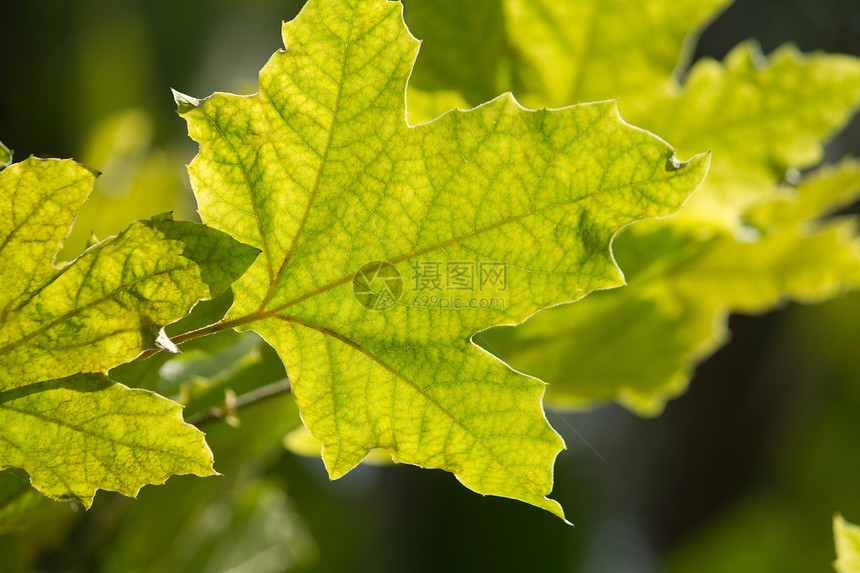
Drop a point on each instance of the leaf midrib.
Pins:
(263, 313)
(276, 277)
(76, 311)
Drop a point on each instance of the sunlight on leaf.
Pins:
(357, 214)
(847, 545)
(113, 438)
(74, 433)
(639, 345)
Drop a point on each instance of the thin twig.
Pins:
(205, 331)
(253, 397)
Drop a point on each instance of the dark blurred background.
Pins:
(742, 473)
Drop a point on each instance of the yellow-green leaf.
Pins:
(5, 155)
(385, 247)
(761, 116)
(75, 432)
(847, 537)
(85, 432)
(638, 345)
(111, 303)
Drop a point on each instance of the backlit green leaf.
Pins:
(763, 117)
(385, 246)
(847, 545)
(760, 116)
(638, 345)
(85, 432)
(74, 433)
(111, 303)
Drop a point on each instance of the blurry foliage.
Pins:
(741, 474)
(847, 545)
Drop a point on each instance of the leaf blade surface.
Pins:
(347, 201)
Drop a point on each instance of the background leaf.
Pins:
(681, 289)
(847, 545)
(764, 118)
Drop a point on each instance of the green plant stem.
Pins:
(260, 394)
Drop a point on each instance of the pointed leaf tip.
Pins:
(184, 103)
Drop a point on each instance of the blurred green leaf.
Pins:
(761, 117)
(847, 545)
(764, 118)
(570, 52)
(638, 345)
(17, 500)
(472, 34)
(552, 53)
(139, 178)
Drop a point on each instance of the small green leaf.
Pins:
(111, 303)
(5, 155)
(85, 432)
(349, 204)
(847, 537)
(77, 432)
